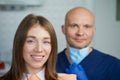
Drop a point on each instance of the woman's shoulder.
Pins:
(63, 76)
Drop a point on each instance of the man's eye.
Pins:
(74, 25)
(87, 26)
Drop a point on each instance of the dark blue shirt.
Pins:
(97, 65)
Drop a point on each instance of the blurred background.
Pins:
(107, 23)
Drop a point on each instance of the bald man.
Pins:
(79, 31)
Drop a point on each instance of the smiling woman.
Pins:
(35, 51)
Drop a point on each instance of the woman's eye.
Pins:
(46, 42)
(30, 41)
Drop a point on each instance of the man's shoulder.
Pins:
(105, 56)
(62, 52)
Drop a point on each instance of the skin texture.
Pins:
(79, 27)
(36, 49)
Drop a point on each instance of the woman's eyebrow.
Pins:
(31, 37)
(46, 38)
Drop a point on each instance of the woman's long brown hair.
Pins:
(18, 64)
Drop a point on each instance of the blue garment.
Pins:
(78, 70)
(97, 65)
(77, 55)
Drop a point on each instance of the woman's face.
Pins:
(36, 49)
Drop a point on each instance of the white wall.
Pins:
(54, 10)
(108, 29)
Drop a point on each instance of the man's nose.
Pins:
(80, 31)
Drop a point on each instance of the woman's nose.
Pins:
(38, 47)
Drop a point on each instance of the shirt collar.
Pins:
(40, 74)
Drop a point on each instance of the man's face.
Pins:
(79, 29)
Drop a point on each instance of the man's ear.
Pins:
(94, 30)
(63, 29)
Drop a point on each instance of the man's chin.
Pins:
(79, 47)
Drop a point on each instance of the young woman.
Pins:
(35, 51)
